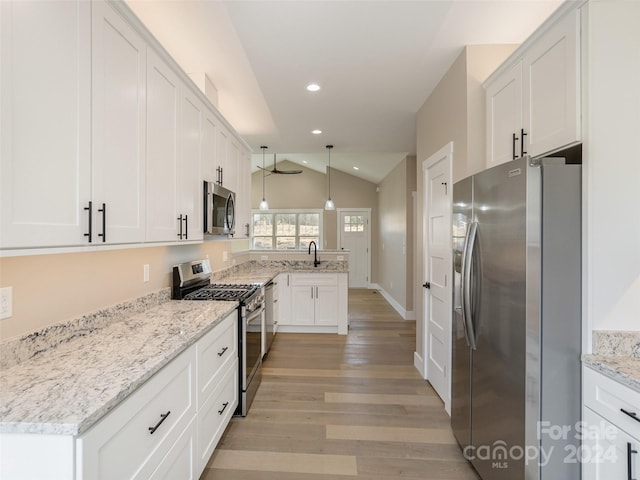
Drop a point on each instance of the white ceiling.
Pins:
(376, 62)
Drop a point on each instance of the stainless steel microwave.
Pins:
(219, 210)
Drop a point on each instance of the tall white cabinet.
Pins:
(45, 122)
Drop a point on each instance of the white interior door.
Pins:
(354, 234)
(437, 277)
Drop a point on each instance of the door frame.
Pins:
(367, 211)
(444, 152)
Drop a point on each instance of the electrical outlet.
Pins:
(145, 273)
(6, 302)
(340, 258)
(225, 256)
(264, 257)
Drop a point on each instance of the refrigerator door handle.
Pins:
(466, 283)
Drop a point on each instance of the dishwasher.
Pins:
(269, 325)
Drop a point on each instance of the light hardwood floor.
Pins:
(332, 407)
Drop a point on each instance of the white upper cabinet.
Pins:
(533, 104)
(45, 93)
(119, 111)
(189, 178)
(243, 194)
(552, 83)
(209, 136)
(112, 147)
(163, 96)
(504, 117)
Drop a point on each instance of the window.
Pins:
(353, 223)
(285, 229)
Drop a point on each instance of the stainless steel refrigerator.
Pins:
(517, 318)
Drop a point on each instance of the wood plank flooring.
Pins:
(333, 407)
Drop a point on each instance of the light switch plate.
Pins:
(6, 302)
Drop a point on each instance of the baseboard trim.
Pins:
(396, 306)
(418, 362)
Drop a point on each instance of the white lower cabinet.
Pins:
(132, 440)
(215, 413)
(315, 301)
(611, 431)
(166, 429)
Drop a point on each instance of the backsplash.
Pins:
(16, 350)
(616, 343)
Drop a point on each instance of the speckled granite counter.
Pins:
(64, 378)
(616, 355)
(263, 271)
(69, 387)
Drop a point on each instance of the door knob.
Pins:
(427, 285)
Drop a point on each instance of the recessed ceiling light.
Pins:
(356, 168)
(316, 131)
(313, 87)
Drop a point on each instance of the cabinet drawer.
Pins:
(215, 413)
(216, 350)
(180, 462)
(608, 398)
(314, 279)
(122, 445)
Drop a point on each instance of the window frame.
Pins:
(274, 236)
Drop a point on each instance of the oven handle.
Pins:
(255, 314)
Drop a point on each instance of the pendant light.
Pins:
(263, 204)
(329, 205)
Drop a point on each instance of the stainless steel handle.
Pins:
(467, 258)
(180, 224)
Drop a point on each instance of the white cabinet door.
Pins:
(45, 90)
(284, 299)
(209, 137)
(504, 117)
(118, 158)
(230, 172)
(243, 195)
(302, 305)
(190, 189)
(222, 147)
(552, 106)
(608, 452)
(326, 305)
(162, 150)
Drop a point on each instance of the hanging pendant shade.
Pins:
(329, 205)
(263, 204)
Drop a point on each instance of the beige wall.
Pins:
(48, 289)
(395, 255)
(455, 111)
(309, 190)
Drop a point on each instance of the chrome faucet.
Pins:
(316, 262)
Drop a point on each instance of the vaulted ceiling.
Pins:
(376, 62)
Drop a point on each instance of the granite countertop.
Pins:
(616, 355)
(622, 369)
(65, 378)
(66, 389)
(261, 272)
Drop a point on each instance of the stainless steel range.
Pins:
(192, 281)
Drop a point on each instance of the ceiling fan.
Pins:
(274, 170)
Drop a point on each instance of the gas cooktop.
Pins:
(224, 291)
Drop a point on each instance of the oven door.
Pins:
(252, 337)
